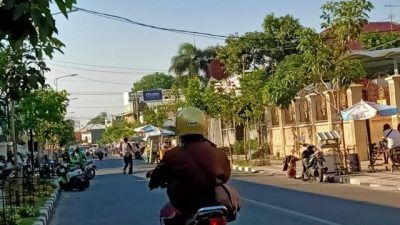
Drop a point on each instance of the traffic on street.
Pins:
(114, 198)
(199, 112)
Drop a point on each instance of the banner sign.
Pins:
(153, 95)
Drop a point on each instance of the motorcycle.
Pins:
(71, 178)
(48, 168)
(100, 155)
(89, 169)
(214, 215)
(315, 168)
(6, 169)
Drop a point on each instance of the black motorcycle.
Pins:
(100, 155)
(314, 167)
(214, 215)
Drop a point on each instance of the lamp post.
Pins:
(57, 78)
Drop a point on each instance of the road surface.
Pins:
(114, 198)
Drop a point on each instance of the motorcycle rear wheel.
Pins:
(90, 173)
(305, 176)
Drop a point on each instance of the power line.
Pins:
(96, 107)
(103, 81)
(95, 93)
(104, 66)
(124, 19)
(94, 70)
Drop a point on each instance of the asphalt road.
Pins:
(114, 198)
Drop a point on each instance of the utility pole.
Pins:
(391, 16)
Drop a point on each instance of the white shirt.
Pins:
(125, 148)
(393, 138)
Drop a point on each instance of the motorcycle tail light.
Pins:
(217, 221)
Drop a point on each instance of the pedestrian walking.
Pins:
(127, 151)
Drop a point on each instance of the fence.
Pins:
(22, 193)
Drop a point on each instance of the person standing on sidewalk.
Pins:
(391, 138)
(127, 152)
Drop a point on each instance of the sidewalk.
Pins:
(382, 180)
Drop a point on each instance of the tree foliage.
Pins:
(20, 72)
(377, 41)
(156, 115)
(154, 81)
(253, 105)
(42, 105)
(191, 60)
(288, 80)
(99, 119)
(32, 21)
(43, 111)
(263, 49)
(194, 94)
(117, 131)
(322, 56)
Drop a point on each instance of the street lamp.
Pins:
(69, 75)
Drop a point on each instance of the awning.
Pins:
(378, 61)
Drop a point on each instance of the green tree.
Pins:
(154, 81)
(99, 119)
(191, 60)
(322, 57)
(117, 131)
(56, 133)
(194, 94)
(42, 111)
(288, 80)
(377, 41)
(156, 115)
(20, 72)
(261, 50)
(32, 21)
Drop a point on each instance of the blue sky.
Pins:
(94, 40)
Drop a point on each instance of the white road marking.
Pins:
(288, 211)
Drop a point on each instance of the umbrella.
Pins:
(167, 133)
(137, 138)
(364, 110)
(146, 128)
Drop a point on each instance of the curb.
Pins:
(355, 181)
(244, 169)
(46, 211)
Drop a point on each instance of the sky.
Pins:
(109, 44)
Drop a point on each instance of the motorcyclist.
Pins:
(78, 157)
(190, 170)
(305, 156)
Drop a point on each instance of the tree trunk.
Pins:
(229, 143)
(245, 141)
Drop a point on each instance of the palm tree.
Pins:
(191, 60)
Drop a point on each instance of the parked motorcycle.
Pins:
(89, 169)
(6, 169)
(100, 154)
(314, 167)
(71, 178)
(214, 215)
(48, 168)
